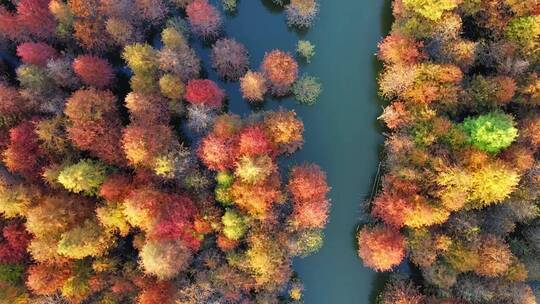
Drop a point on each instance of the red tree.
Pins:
(35, 18)
(161, 292)
(91, 34)
(147, 109)
(93, 71)
(11, 102)
(204, 18)
(399, 49)
(227, 125)
(95, 124)
(47, 278)
(8, 23)
(172, 215)
(204, 91)
(116, 188)
(36, 53)
(144, 143)
(89, 26)
(281, 70)
(176, 220)
(381, 247)
(23, 154)
(13, 247)
(308, 188)
(390, 208)
(226, 244)
(253, 141)
(217, 153)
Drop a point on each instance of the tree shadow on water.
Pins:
(386, 16)
(273, 7)
(377, 286)
(386, 24)
(387, 19)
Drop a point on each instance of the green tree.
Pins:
(307, 90)
(86, 176)
(88, 239)
(430, 9)
(525, 31)
(306, 49)
(141, 58)
(491, 132)
(234, 224)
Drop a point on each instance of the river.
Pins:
(342, 133)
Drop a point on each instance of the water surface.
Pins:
(342, 134)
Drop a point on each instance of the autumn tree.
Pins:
(162, 216)
(380, 247)
(88, 25)
(23, 154)
(95, 123)
(86, 240)
(15, 200)
(14, 244)
(494, 257)
(144, 144)
(266, 260)
(93, 71)
(399, 49)
(253, 170)
(217, 153)
(285, 130)
(171, 86)
(256, 200)
(48, 278)
(159, 292)
(431, 9)
(11, 102)
(234, 224)
(302, 13)
(281, 70)
(308, 188)
(164, 259)
(204, 18)
(401, 292)
(50, 218)
(204, 92)
(36, 53)
(34, 19)
(307, 90)
(253, 86)
(230, 58)
(86, 177)
(253, 140)
(142, 59)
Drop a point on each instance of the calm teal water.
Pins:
(342, 134)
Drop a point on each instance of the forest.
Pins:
(128, 174)
(456, 218)
(124, 176)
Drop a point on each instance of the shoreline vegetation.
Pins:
(456, 218)
(124, 179)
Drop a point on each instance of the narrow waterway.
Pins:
(342, 134)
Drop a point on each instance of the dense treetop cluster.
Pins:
(124, 180)
(460, 184)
